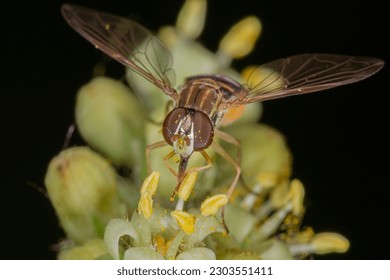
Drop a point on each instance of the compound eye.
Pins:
(171, 123)
(203, 131)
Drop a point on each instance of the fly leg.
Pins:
(183, 170)
(231, 140)
(149, 148)
(221, 151)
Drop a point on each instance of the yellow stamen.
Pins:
(298, 193)
(185, 220)
(191, 19)
(253, 75)
(304, 236)
(211, 205)
(145, 205)
(241, 38)
(168, 35)
(150, 183)
(329, 242)
(159, 244)
(187, 185)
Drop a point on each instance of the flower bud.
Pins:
(268, 179)
(109, 118)
(266, 158)
(91, 250)
(82, 188)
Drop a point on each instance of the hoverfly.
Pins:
(203, 100)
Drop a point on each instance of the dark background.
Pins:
(337, 138)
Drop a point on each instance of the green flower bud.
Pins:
(82, 188)
(264, 152)
(239, 221)
(110, 119)
(91, 250)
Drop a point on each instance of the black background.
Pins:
(337, 138)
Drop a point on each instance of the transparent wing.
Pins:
(127, 42)
(304, 73)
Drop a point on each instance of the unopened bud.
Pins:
(109, 118)
(82, 188)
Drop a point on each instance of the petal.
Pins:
(115, 229)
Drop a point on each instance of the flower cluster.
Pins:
(108, 216)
